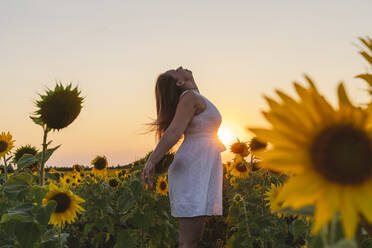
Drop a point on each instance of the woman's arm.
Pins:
(184, 113)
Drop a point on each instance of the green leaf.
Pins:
(26, 160)
(20, 217)
(366, 243)
(87, 229)
(27, 233)
(37, 120)
(126, 239)
(18, 184)
(19, 213)
(51, 176)
(308, 211)
(39, 192)
(43, 213)
(48, 153)
(299, 229)
(24, 176)
(345, 243)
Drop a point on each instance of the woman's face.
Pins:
(181, 74)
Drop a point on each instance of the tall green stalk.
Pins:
(246, 220)
(5, 168)
(42, 162)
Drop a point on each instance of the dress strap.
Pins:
(183, 92)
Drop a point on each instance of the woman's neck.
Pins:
(193, 89)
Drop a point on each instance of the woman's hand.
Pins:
(148, 173)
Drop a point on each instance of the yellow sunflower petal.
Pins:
(348, 213)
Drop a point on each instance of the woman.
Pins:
(195, 175)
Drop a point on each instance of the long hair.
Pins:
(167, 94)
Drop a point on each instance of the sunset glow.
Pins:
(226, 135)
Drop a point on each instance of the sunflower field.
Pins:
(306, 181)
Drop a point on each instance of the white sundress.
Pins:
(195, 177)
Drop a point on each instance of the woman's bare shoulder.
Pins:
(196, 100)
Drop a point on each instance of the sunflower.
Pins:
(240, 148)
(27, 149)
(240, 169)
(99, 165)
(238, 198)
(271, 195)
(122, 173)
(162, 185)
(67, 205)
(6, 143)
(233, 182)
(113, 182)
(66, 181)
(255, 144)
(328, 151)
(58, 108)
(77, 168)
(258, 187)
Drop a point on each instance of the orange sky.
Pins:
(237, 50)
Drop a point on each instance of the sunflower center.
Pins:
(342, 154)
(3, 146)
(241, 167)
(63, 202)
(163, 185)
(100, 164)
(113, 183)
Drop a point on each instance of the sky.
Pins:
(113, 51)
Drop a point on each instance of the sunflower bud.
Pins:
(58, 108)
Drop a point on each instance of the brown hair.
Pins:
(167, 94)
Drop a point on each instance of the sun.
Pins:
(225, 135)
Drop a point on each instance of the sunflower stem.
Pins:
(325, 236)
(333, 230)
(5, 169)
(59, 236)
(42, 174)
(246, 220)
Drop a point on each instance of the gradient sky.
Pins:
(114, 50)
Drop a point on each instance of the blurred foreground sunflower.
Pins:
(328, 151)
(162, 185)
(6, 143)
(99, 165)
(255, 144)
(67, 205)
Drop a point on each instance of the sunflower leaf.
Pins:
(48, 153)
(308, 211)
(37, 120)
(51, 176)
(43, 213)
(345, 243)
(27, 233)
(26, 160)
